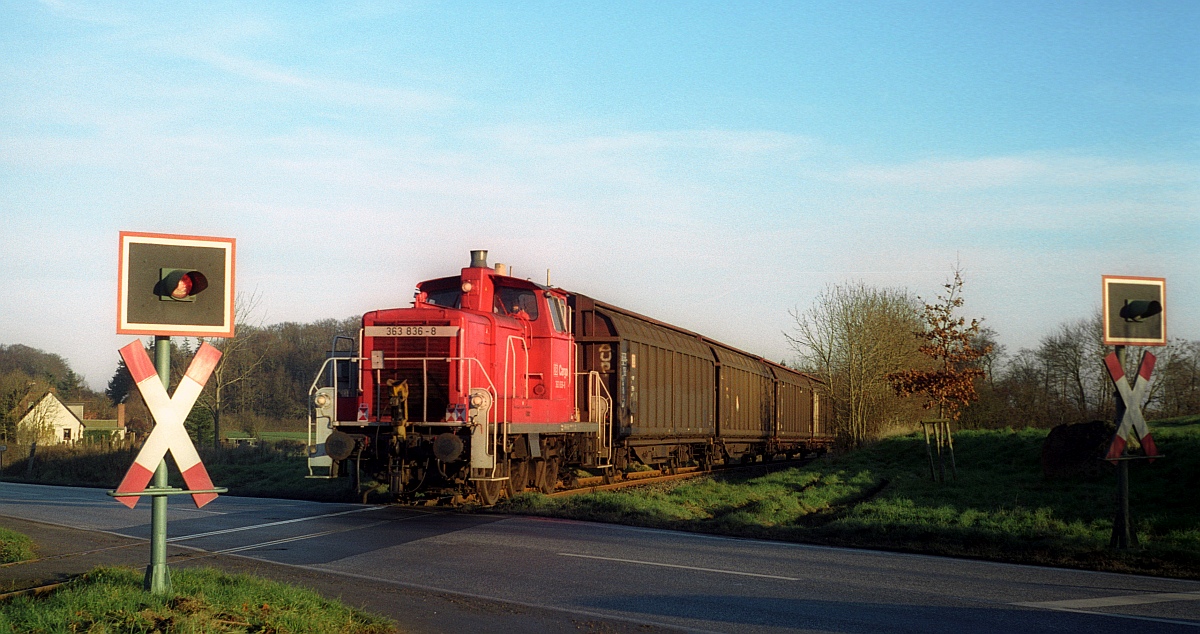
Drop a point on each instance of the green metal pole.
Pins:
(1123, 536)
(158, 577)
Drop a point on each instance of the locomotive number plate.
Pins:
(411, 331)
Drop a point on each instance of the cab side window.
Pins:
(558, 314)
(515, 302)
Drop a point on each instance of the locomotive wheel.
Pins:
(488, 491)
(545, 476)
(518, 477)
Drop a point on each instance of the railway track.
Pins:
(645, 478)
(595, 484)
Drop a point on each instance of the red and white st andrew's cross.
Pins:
(169, 414)
(1130, 407)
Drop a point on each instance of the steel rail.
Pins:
(636, 478)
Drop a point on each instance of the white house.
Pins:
(51, 421)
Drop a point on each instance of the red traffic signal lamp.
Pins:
(180, 285)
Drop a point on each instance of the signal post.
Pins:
(170, 285)
(1133, 314)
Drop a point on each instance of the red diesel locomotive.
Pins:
(490, 383)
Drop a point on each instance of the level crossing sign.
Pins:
(1129, 407)
(169, 413)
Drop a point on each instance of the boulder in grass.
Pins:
(1074, 450)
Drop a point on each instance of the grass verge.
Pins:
(205, 600)
(15, 547)
(999, 508)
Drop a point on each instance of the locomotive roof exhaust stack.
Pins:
(479, 259)
(502, 269)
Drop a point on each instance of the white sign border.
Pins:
(126, 327)
(1132, 279)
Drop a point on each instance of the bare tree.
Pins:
(240, 359)
(853, 337)
(37, 425)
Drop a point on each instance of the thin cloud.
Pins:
(957, 175)
(332, 90)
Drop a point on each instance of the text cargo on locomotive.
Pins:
(491, 383)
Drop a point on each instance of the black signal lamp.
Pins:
(180, 285)
(1136, 311)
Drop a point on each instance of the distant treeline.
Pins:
(261, 383)
(860, 339)
(1063, 380)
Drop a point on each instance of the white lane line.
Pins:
(269, 524)
(654, 563)
(1105, 602)
(285, 540)
(272, 543)
(1076, 606)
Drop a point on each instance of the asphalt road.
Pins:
(638, 578)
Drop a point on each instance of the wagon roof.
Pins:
(707, 340)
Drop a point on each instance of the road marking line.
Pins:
(238, 549)
(1131, 617)
(285, 540)
(269, 524)
(1075, 605)
(654, 563)
(1105, 602)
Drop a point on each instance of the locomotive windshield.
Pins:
(449, 298)
(515, 302)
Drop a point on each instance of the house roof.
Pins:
(61, 405)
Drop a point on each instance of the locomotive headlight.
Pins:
(466, 287)
(321, 400)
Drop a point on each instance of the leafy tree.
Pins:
(120, 384)
(199, 425)
(951, 344)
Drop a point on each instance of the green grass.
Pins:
(15, 547)
(299, 436)
(204, 600)
(1000, 507)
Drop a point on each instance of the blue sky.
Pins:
(711, 165)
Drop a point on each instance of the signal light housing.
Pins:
(1136, 311)
(180, 285)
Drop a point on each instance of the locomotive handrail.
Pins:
(603, 427)
(499, 419)
(510, 348)
(495, 424)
